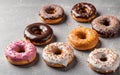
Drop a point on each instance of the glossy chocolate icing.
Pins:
(38, 32)
(83, 10)
(51, 11)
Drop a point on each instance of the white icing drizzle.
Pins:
(111, 64)
(63, 59)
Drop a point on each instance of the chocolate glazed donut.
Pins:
(83, 12)
(38, 33)
(51, 14)
(106, 26)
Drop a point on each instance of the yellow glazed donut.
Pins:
(83, 38)
(58, 54)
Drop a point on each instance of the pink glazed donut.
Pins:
(20, 52)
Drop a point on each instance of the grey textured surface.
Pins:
(15, 15)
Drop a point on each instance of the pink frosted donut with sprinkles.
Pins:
(20, 52)
(58, 54)
(103, 60)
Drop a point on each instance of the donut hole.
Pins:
(83, 10)
(81, 35)
(106, 22)
(20, 50)
(50, 10)
(101, 56)
(103, 59)
(37, 30)
(57, 51)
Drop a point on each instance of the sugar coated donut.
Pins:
(51, 14)
(20, 52)
(38, 33)
(58, 54)
(83, 38)
(83, 12)
(103, 60)
(106, 26)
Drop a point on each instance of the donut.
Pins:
(107, 26)
(83, 38)
(103, 60)
(83, 12)
(58, 54)
(20, 52)
(38, 34)
(51, 14)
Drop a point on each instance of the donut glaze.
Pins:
(83, 38)
(106, 26)
(103, 60)
(83, 12)
(51, 13)
(38, 33)
(58, 54)
(20, 52)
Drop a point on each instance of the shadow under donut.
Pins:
(70, 66)
(98, 14)
(61, 22)
(99, 44)
(89, 50)
(116, 36)
(64, 19)
(36, 60)
(117, 72)
(54, 39)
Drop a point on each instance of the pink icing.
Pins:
(29, 48)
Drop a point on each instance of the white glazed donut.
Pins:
(103, 60)
(58, 54)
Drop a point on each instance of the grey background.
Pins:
(15, 15)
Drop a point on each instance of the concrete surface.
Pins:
(15, 15)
